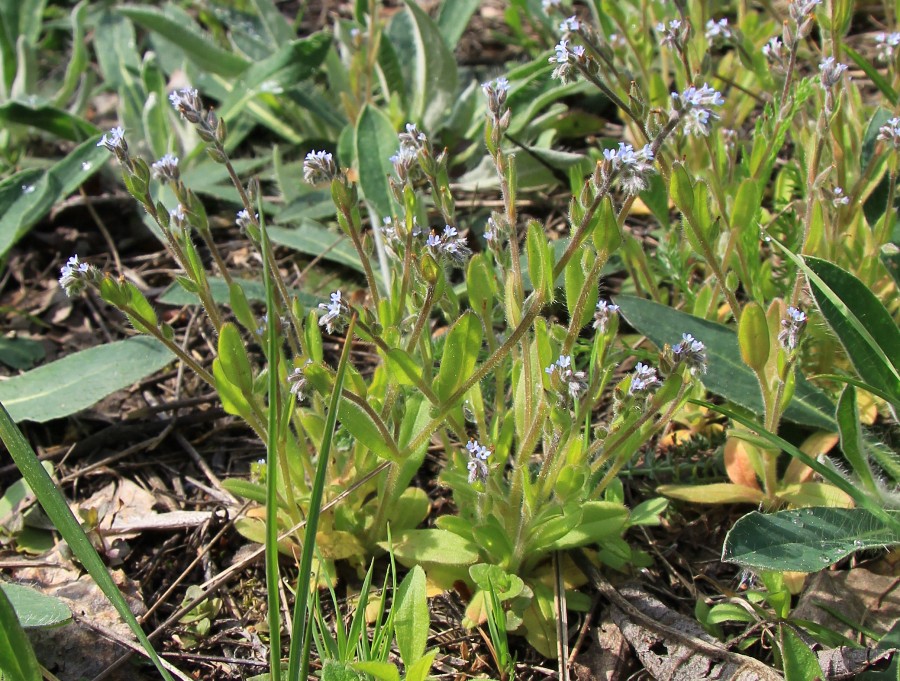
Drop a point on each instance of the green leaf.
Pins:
(361, 425)
(254, 290)
(199, 48)
(418, 670)
(411, 620)
(17, 660)
(292, 63)
(403, 368)
(460, 354)
(799, 661)
(50, 119)
(376, 142)
(865, 328)
(27, 196)
(435, 77)
(35, 609)
(73, 383)
(453, 17)
(727, 375)
(851, 438)
(600, 520)
(57, 509)
(21, 353)
(120, 66)
(313, 239)
(234, 359)
(382, 671)
(804, 540)
(874, 75)
(441, 547)
(278, 30)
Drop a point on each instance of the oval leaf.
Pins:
(804, 540)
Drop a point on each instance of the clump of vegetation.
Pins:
(764, 315)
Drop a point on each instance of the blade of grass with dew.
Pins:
(58, 511)
(272, 575)
(298, 668)
(861, 498)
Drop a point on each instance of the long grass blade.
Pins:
(56, 508)
(298, 663)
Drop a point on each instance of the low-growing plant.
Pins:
(481, 336)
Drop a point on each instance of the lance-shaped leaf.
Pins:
(376, 142)
(76, 382)
(865, 328)
(727, 375)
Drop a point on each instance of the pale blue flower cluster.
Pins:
(75, 275)
(884, 46)
(692, 352)
(632, 167)
(643, 378)
(602, 314)
(448, 243)
(791, 328)
(115, 140)
(166, 168)
(565, 60)
(671, 35)
(319, 167)
(717, 31)
(574, 381)
(477, 464)
(694, 106)
(334, 310)
(890, 132)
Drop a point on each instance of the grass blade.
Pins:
(301, 619)
(58, 511)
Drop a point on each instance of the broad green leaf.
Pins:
(199, 48)
(435, 76)
(27, 196)
(727, 375)
(460, 354)
(254, 290)
(313, 239)
(292, 63)
(376, 142)
(728, 612)
(35, 609)
(21, 353)
(50, 119)
(865, 328)
(361, 425)
(804, 540)
(411, 620)
(798, 660)
(17, 660)
(57, 509)
(599, 520)
(434, 546)
(278, 30)
(73, 383)
(453, 17)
